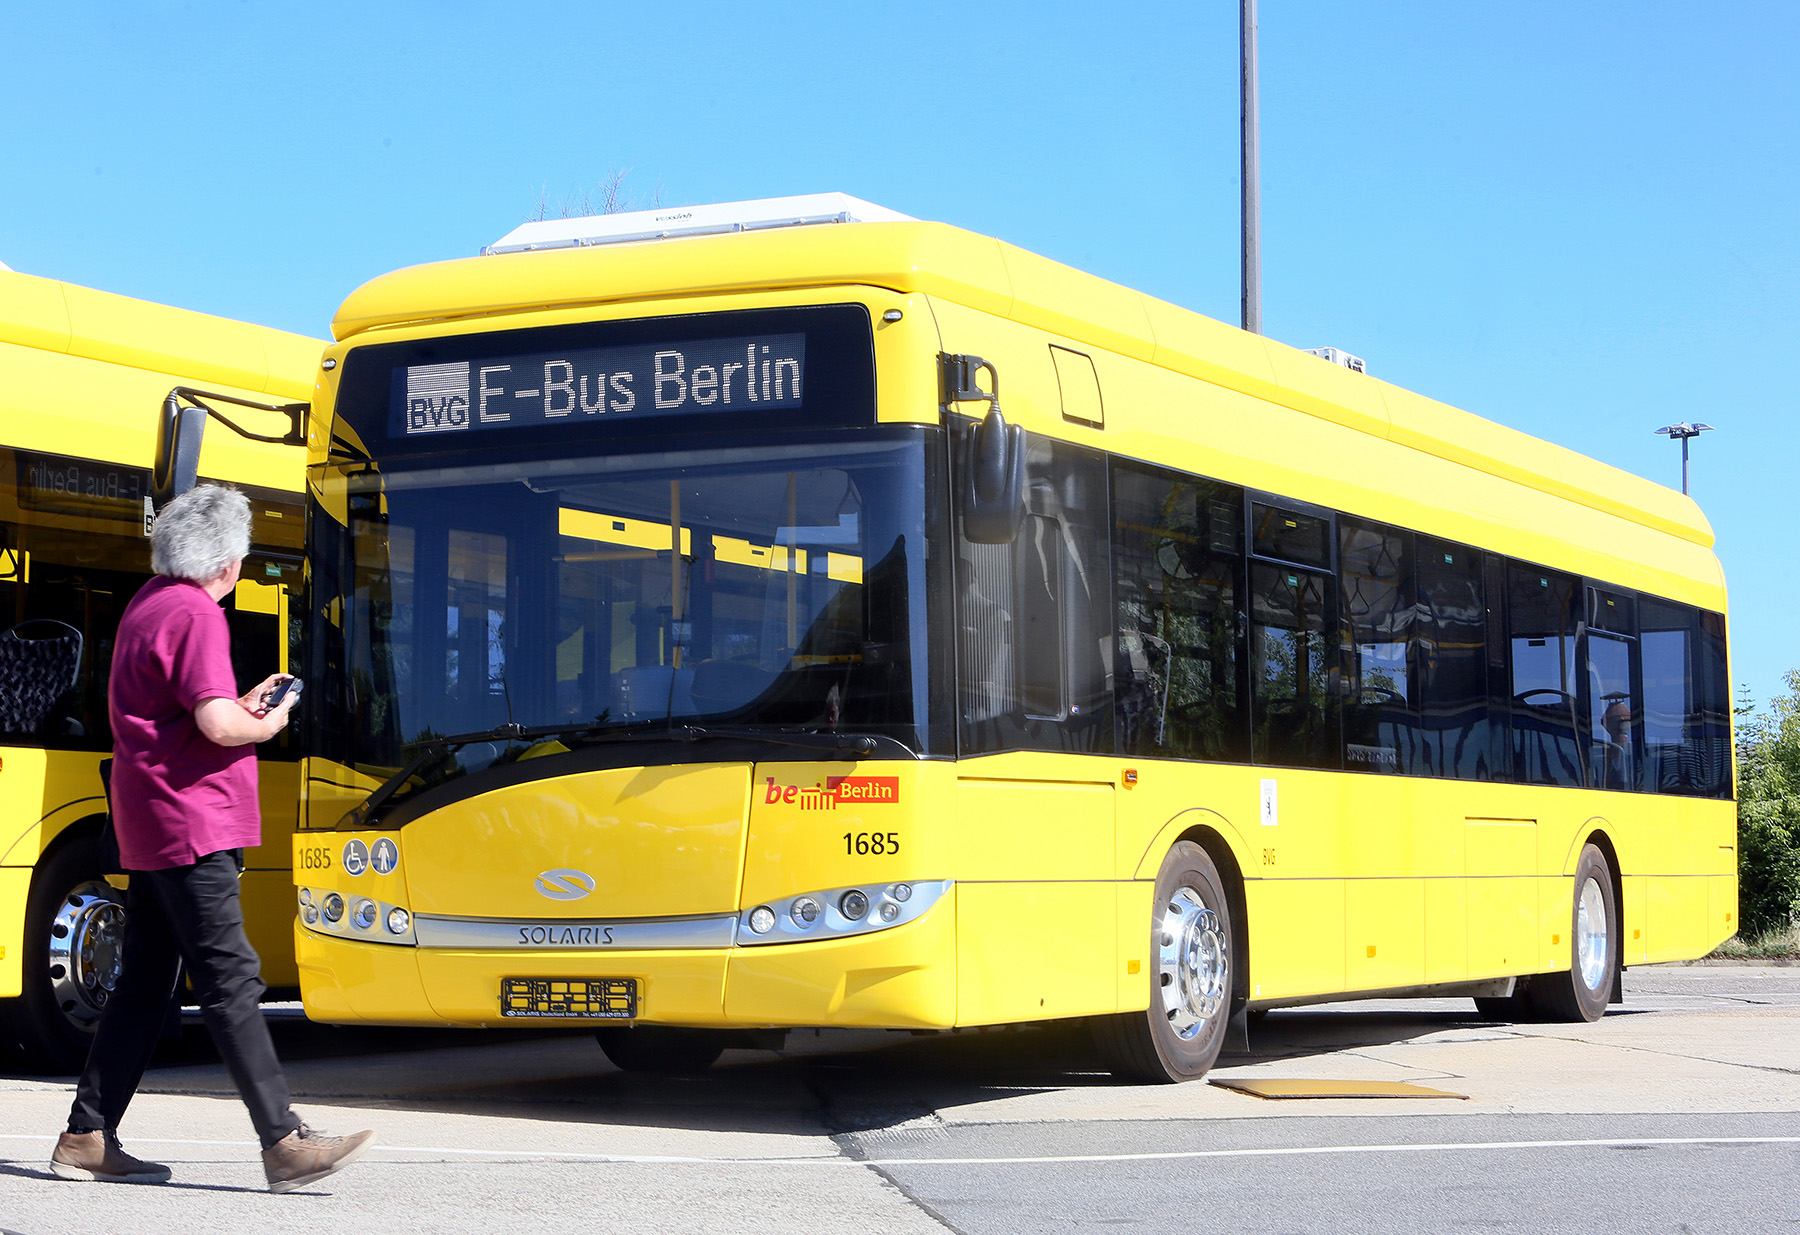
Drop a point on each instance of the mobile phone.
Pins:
(281, 691)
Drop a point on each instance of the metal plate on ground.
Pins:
(606, 999)
(1278, 1089)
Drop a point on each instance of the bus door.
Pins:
(1036, 863)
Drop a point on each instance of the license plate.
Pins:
(607, 999)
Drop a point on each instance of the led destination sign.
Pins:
(759, 372)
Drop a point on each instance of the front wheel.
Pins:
(1581, 993)
(1178, 1037)
(74, 936)
(662, 1048)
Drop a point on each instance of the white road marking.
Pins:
(1171, 1155)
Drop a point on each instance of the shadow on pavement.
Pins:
(849, 1081)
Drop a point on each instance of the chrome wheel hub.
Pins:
(1592, 951)
(1191, 963)
(86, 950)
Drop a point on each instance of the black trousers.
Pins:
(185, 913)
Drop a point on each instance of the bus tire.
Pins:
(662, 1048)
(74, 933)
(1581, 992)
(1191, 972)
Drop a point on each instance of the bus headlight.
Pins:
(310, 915)
(334, 907)
(837, 912)
(398, 921)
(365, 915)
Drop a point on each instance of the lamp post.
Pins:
(1251, 173)
(1684, 431)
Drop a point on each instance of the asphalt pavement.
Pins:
(1678, 1111)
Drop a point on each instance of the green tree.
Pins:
(1769, 815)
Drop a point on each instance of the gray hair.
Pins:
(200, 534)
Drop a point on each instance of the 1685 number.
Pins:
(871, 842)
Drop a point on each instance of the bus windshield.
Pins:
(776, 588)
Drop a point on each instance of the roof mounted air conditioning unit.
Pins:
(1337, 355)
(673, 222)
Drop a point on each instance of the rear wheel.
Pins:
(1581, 993)
(74, 937)
(662, 1048)
(1178, 1037)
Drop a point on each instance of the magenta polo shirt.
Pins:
(176, 794)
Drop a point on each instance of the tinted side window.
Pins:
(1381, 713)
(1612, 717)
(1712, 719)
(72, 555)
(1035, 638)
(1178, 660)
(1453, 688)
(1672, 758)
(1294, 707)
(1541, 609)
(1686, 701)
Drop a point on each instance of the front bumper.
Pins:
(903, 977)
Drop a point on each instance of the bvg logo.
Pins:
(565, 884)
(849, 790)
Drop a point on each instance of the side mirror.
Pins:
(993, 488)
(178, 434)
(993, 491)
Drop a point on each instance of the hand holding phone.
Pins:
(282, 690)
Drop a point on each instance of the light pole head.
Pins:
(1681, 432)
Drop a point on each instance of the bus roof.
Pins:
(79, 321)
(990, 275)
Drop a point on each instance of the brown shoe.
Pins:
(97, 1156)
(303, 1156)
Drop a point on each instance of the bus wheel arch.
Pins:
(1581, 992)
(1232, 875)
(74, 927)
(1194, 973)
(1602, 840)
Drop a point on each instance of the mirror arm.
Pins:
(182, 425)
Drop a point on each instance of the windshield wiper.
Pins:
(852, 745)
(856, 745)
(433, 748)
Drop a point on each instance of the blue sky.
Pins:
(1578, 219)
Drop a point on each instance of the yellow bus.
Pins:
(80, 367)
(793, 614)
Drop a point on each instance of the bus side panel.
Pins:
(1296, 936)
(1504, 924)
(1676, 916)
(1384, 933)
(15, 882)
(1723, 899)
(268, 883)
(1036, 931)
(1635, 950)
